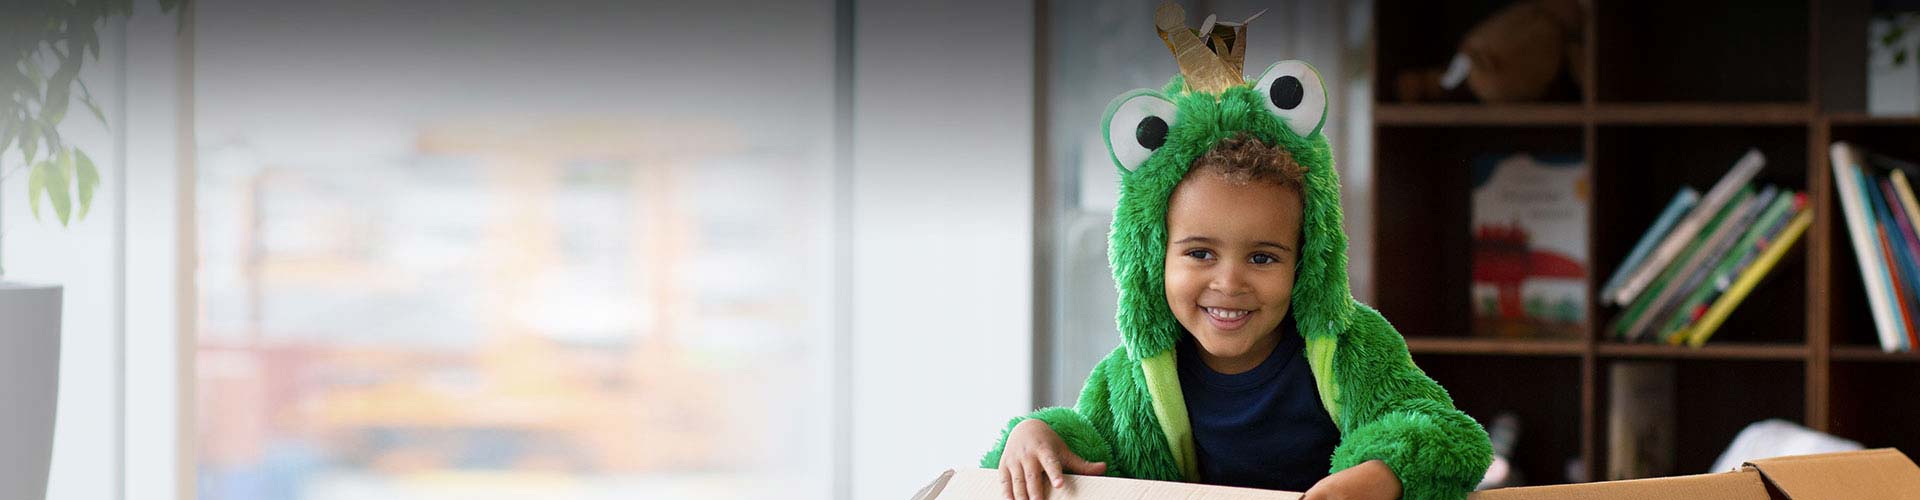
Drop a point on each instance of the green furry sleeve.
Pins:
(1084, 428)
(1392, 412)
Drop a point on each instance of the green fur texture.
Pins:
(1113, 422)
(1388, 409)
(1392, 412)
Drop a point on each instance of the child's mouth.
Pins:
(1226, 319)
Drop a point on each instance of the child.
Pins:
(1245, 360)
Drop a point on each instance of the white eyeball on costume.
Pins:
(1294, 94)
(1137, 124)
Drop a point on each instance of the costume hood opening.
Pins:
(1153, 137)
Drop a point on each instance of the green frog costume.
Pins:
(1131, 413)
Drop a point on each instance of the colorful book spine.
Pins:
(1625, 326)
(1696, 301)
(1692, 270)
(1900, 266)
(1677, 207)
(1905, 208)
(1772, 234)
(1717, 314)
(1685, 233)
(1846, 177)
(1897, 237)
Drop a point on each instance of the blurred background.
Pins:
(826, 249)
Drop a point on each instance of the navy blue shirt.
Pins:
(1264, 428)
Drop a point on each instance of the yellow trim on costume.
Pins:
(1170, 407)
(1320, 358)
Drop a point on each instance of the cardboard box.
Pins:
(1855, 475)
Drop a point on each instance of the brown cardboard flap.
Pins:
(1743, 485)
(1883, 473)
(984, 484)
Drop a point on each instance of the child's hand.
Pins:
(1035, 456)
(1372, 480)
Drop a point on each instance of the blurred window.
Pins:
(471, 253)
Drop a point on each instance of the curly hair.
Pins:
(1243, 158)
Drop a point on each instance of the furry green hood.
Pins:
(1193, 122)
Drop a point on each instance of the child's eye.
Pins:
(1200, 254)
(1261, 258)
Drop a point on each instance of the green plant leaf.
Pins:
(89, 40)
(33, 71)
(86, 178)
(29, 141)
(16, 80)
(59, 88)
(50, 133)
(59, 186)
(86, 97)
(36, 184)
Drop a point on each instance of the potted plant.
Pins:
(1893, 78)
(45, 42)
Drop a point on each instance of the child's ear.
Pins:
(1292, 91)
(1136, 125)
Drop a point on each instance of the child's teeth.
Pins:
(1226, 313)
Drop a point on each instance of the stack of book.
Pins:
(1703, 256)
(1878, 202)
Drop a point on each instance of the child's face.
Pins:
(1230, 265)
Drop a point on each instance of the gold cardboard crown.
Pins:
(1207, 69)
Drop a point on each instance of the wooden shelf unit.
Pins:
(1674, 99)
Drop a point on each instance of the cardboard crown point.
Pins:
(1206, 69)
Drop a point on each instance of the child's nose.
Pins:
(1229, 279)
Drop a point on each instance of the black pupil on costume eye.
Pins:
(1287, 92)
(1152, 132)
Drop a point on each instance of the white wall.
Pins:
(942, 186)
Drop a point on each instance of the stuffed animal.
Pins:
(1131, 413)
(1513, 56)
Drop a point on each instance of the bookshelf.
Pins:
(1678, 91)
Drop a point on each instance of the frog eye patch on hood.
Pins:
(1139, 122)
(1153, 137)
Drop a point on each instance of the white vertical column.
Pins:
(942, 242)
(159, 293)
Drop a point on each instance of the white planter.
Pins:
(29, 382)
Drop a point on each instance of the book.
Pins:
(1724, 283)
(1625, 325)
(1901, 234)
(1905, 209)
(1641, 423)
(1908, 206)
(1799, 203)
(1710, 321)
(1894, 245)
(1677, 207)
(1715, 199)
(1891, 268)
(1690, 271)
(1694, 304)
(1900, 266)
(1530, 262)
(1845, 160)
